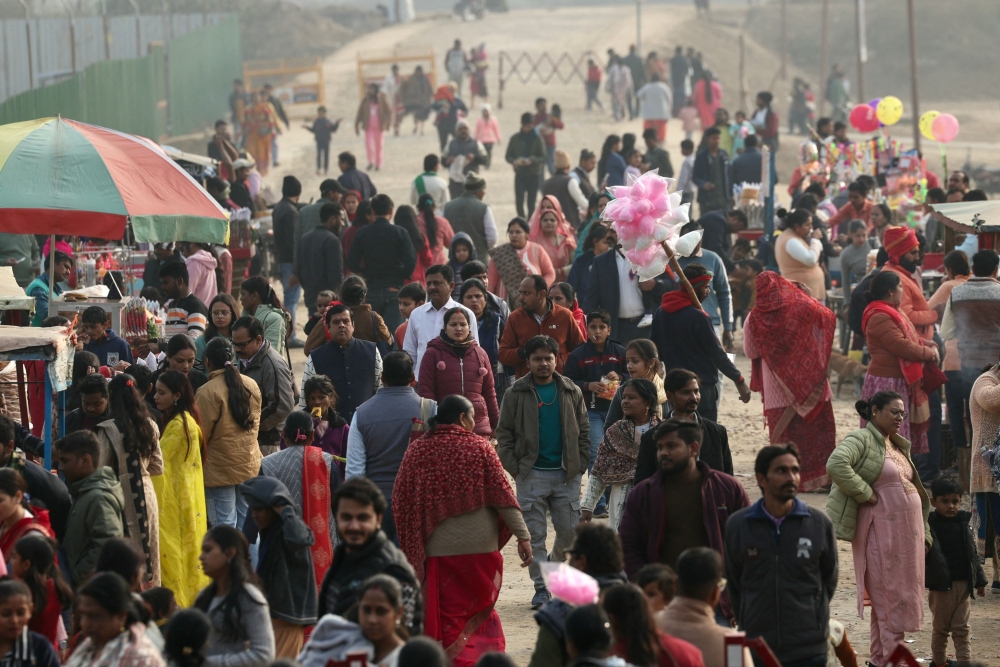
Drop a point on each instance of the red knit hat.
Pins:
(899, 241)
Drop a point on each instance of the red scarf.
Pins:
(913, 371)
(445, 473)
(316, 509)
(39, 522)
(680, 299)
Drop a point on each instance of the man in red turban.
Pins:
(904, 252)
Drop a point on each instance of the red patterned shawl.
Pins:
(316, 509)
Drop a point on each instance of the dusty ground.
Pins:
(594, 29)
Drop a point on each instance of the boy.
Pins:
(323, 301)
(658, 582)
(411, 296)
(285, 567)
(39, 287)
(685, 185)
(102, 341)
(740, 130)
(96, 514)
(953, 570)
(323, 129)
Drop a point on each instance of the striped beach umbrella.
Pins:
(60, 176)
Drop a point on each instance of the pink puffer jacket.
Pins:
(443, 373)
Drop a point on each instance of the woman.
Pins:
(595, 207)
(112, 634)
(363, 215)
(380, 615)
(351, 202)
(415, 93)
(451, 487)
(406, 218)
(641, 361)
(181, 356)
(130, 445)
(187, 638)
(878, 503)
(611, 165)
(488, 131)
(224, 311)
(789, 337)
(455, 364)
(374, 117)
(765, 121)
(33, 561)
(262, 303)
(562, 294)
(616, 456)
(594, 244)
(490, 322)
(261, 126)
(84, 364)
(706, 97)
(16, 518)
(898, 356)
(550, 230)
(636, 638)
(330, 430)
(229, 406)
(621, 86)
(880, 219)
(436, 229)
(512, 262)
(368, 325)
(180, 490)
(241, 619)
(797, 251)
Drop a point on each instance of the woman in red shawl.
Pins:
(454, 511)
(550, 230)
(789, 336)
(358, 216)
(16, 520)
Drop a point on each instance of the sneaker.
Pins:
(541, 598)
(601, 513)
(995, 588)
(295, 343)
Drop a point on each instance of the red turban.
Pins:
(898, 241)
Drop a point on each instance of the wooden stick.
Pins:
(680, 273)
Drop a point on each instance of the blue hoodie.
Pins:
(456, 266)
(112, 343)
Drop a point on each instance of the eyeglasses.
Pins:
(896, 412)
(220, 313)
(240, 346)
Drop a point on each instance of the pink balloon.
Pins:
(863, 118)
(945, 128)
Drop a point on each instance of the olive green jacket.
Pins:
(853, 467)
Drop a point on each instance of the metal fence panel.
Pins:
(53, 57)
(152, 31)
(122, 30)
(14, 72)
(89, 41)
(201, 67)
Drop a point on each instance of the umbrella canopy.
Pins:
(971, 216)
(59, 176)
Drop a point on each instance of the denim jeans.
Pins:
(597, 419)
(291, 294)
(542, 492)
(225, 504)
(550, 161)
(385, 302)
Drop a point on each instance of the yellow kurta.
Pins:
(180, 492)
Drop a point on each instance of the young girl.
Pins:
(20, 646)
(223, 312)
(330, 430)
(182, 356)
(32, 560)
(16, 520)
(641, 361)
(634, 161)
(379, 614)
(260, 301)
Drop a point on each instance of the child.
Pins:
(161, 604)
(685, 185)
(144, 384)
(461, 252)
(634, 160)
(329, 428)
(380, 612)
(658, 582)
(102, 341)
(32, 561)
(953, 570)
(19, 646)
(411, 296)
(740, 130)
(285, 567)
(323, 129)
(323, 301)
(98, 503)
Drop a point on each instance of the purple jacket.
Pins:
(331, 437)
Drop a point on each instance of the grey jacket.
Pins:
(517, 432)
(781, 579)
(271, 373)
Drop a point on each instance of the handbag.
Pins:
(934, 378)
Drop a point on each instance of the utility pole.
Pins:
(784, 39)
(823, 65)
(914, 91)
(859, 14)
(638, 27)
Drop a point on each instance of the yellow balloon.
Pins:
(926, 121)
(889, 110)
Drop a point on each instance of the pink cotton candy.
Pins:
(571, 585)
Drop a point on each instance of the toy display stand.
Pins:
(113, 307)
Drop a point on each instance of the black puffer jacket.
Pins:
(952, 551)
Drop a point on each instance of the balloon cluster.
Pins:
(938, 126)
(880, 111)
(645, 215)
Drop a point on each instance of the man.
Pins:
(958, 180)
(102, 340)
(43, 487)
(544, 443)
(638, 70)
(904, 252)
(564, 188)
(781, 564)
(471, 154)
(390, 87)
(580, 180)
(239, 190)
(353, 178)
(383, 427)
(94, 405)
(470, 214)
(837, 94)
(933, 228)
(38, 288)
(655, 100)
(354, 366)
(683, 390)
(684, 505)
(319, 263)
(98, 502)
(262, 363)
(384, 255)
(719, 227)
(747, 168)
(427, 321)
(546, 125)
(286, 229)
(20, 251)
(526, 153)
(455, 63)
(858, 207)
(596, 551)
(680, 70)
(185, 312)
(537, 316)
(711, 173)
(616, 288)
(718, 304)
(431, 184)
(221, 148)
(691, 614)
(330, 192)
(238, 101)
(685, 338)
(476, 269)
(363, 551)
(656, 156)
(267, 92)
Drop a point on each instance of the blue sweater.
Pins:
(112, 343)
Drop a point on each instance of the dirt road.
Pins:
(575, 31)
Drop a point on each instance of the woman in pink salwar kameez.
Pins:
(374, 116)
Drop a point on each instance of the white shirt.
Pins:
(656, 101)
(436, 187)
(577, 194)
(489, 229)
(684, 183)
(629, 294)
(425, 325)
(800, 252)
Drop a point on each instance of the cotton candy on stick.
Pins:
(569, 584)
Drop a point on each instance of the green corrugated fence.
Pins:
(174, 90)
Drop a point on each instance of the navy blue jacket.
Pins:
(355, 179)
(686, 339)
(702, 173)
(352, 371)
(585, 365)
(747, 167)
(383, 254)
(602, 289)
(579, 273)
(112, 343)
